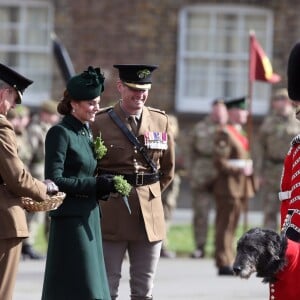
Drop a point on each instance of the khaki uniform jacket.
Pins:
(145, 201)
(17, 182)
(230, 180)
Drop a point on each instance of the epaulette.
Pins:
(104, 109)
(295, 140)
(156, 110)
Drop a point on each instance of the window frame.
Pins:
(189, 104)
(32, 96)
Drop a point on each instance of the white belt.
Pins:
(284, 195)
(240, 163)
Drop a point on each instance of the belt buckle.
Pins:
(139, 178)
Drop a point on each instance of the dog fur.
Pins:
(274, 258)
(261, 251)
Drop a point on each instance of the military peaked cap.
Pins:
(15, 80)
(240, 103)
(136, 76)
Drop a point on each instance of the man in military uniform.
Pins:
(141, 148)
(202, 171)
(234, 183)
(15, 182)
(20, 118)
(46, 117)
(275, 134)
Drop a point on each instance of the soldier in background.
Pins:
(234, 183)
(45, 118)
(170, 195)
(20, 118)
(203, 171)
(275, 134)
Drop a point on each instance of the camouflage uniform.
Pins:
(25, 153)
(202, 177)
(37, 131)
(275, 135)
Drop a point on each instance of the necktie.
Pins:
(133, 123)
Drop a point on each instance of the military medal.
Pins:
(156, 140)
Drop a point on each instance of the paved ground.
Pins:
(180, 278)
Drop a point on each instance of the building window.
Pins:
(25, 28)
(214, 53)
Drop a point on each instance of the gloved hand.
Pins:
(52, 188)
(105, 185)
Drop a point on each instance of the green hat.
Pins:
(15, 80)
(136, 76)
(240, 103)
(87, 85)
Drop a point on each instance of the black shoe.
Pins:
(226, 271)
(29, 252)
(198, 253)
(167, 253)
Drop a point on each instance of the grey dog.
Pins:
(261, 251)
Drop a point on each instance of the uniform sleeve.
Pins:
(56, 151)
(222, 153)
(13, 172)
(167, 162)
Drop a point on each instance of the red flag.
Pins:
(260, 67)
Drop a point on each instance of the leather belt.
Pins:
(136, 179)
(284, 195)
(141, 178)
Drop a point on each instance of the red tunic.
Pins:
(290, 180)
(286, 184)
(287, 285)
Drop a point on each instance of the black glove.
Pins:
(52, 188)
(105, 185)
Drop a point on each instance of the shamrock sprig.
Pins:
(99, 147)
(123, 188)
(121, 185)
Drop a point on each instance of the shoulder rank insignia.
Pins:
(156, 110)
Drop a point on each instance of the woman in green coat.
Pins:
(75, 267)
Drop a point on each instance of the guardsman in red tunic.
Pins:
(290, 183)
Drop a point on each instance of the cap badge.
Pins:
(142, 74)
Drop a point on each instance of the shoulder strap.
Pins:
(132, 138)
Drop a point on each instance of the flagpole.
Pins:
(250, 91)
(250, 119)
